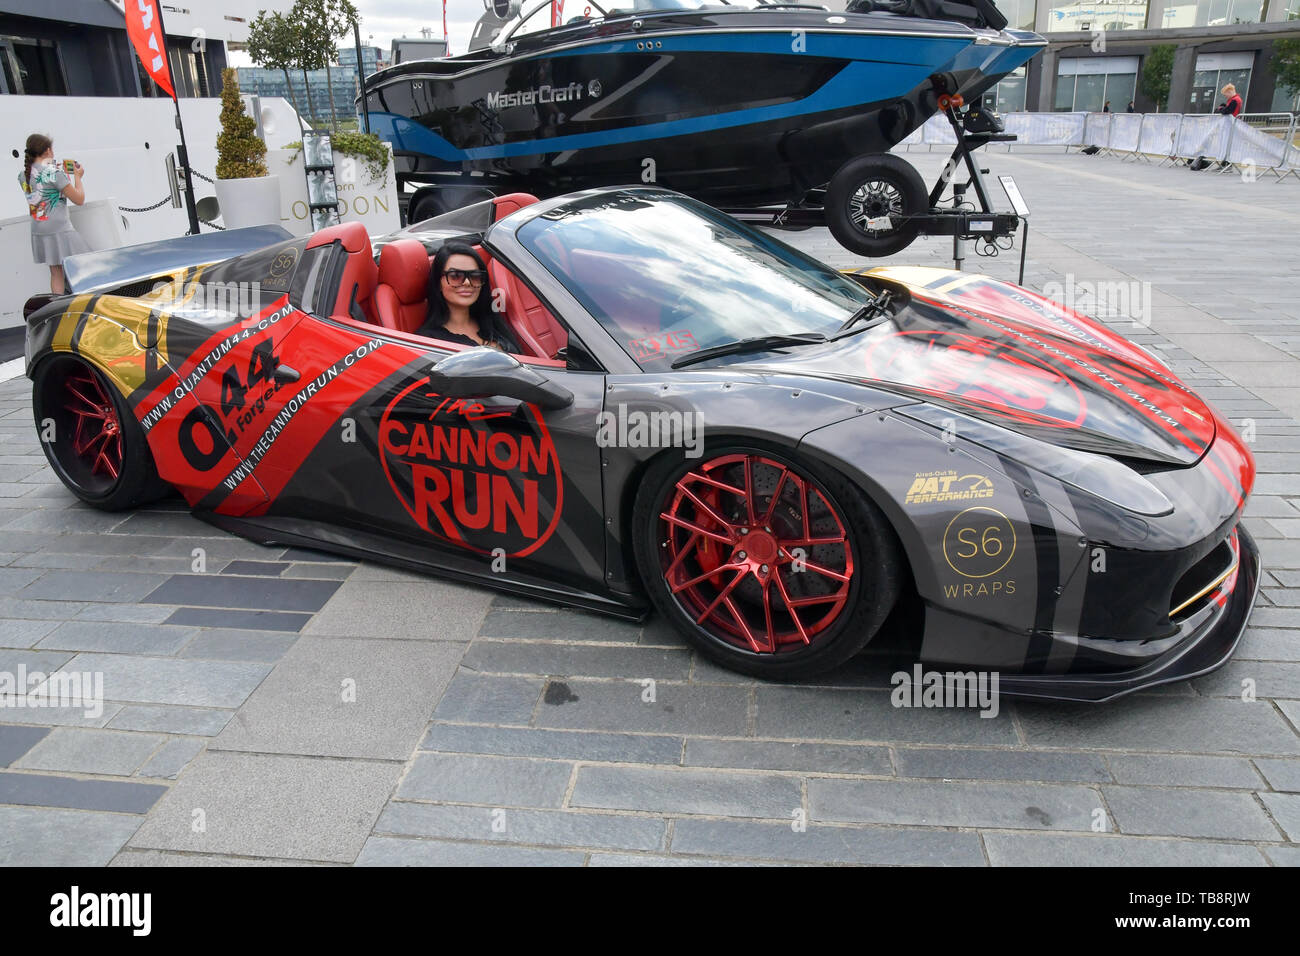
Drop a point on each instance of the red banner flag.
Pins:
(144, 27)
(557, 12)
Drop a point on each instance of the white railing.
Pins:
(1262, 141)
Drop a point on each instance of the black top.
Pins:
(498, 336)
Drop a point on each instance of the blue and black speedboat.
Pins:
(738, 106)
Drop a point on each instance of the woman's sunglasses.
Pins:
(474, 277)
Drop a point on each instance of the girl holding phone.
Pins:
(46, 185)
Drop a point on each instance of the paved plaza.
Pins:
(284, 706)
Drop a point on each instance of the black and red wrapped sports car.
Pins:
(773, 454)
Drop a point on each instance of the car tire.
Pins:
(436, 202)
(724, 599)
(871, 188)
(92, 441)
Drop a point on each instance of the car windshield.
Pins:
(667, 275)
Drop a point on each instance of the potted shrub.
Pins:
(247, 195)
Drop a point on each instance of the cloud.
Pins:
(386, 19)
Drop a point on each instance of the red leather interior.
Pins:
(402, 297)
(536, 330)
(509, 203)
(355, 298)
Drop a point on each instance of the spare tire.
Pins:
(871, 202)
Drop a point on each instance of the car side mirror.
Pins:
(484, 372)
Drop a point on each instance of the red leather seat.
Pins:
(510, 202)
(402, 296)
(534, 327)
(355, 298)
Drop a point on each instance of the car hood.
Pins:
(1000, 353)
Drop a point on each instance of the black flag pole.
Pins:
(361, 74)
(181, 151)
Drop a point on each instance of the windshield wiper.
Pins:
(759, 343)
(869, 311)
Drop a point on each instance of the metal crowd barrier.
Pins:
(1262, 141)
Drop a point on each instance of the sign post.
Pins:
(144, 26)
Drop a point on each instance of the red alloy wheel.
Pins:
(755, 553)
(96, 429)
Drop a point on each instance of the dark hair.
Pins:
(480, 310)
(37, 144)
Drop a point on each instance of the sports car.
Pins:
(775, 455)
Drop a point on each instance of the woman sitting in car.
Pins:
(460, 303)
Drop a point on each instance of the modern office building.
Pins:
(1097, 49)
(342, 75)
(80, 48)
(372, 58)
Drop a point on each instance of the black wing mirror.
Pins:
(483, 372)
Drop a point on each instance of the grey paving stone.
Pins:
(1183, 770)
(11, 607)
(269, 569)
(1281, 774)
(656, 860)
(243, 620)
(24, 633)
(1268, 679)
(340, 697)
(1169, 724)
(394, 851)
(876, 846)
(713, 792)
(13, 579)
(161, 680)
(264, 594)
(425, 610)
(49, 790)
(1057, 850)
(148, 639)
(84, 750)
(1270, 644)
(1005, 806)
(560, 624)
(1182, 812)
(230, 644)
(536, 827)
(619, 705)
(1001, 765)
(494, 781)
(477, 699)
(31, 836)
(153, 858)
(1283, 855)
(124, 613)
(826, 713)
(200, 721)
(1285, 808)
(578, 660)
(329, 572)
(106, 586)
(174, 756)
(70, 562)
(560, 744)
(304, 808)
(16, 741)
(782, 755)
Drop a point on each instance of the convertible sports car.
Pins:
(774, 455)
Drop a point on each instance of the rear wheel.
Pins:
(773, 568)
(870, 202)
(443, 199)
(90, 437)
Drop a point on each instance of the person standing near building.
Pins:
(1106, 107)
(48, 190)
(1131, 108)
(1231, 105)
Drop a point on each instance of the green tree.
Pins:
(1286, 65)
(240, 154)
(1157, 73)
(272, 43)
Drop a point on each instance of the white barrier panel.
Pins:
(938, 131)
(1160, 133)
(1125, 129)
(1256, 147)
(914, 138)
(1046, 129)
(1203, 136)
(1096, 129)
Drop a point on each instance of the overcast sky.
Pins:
(386, 19)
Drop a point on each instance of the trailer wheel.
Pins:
(870, 201)
(437, 200)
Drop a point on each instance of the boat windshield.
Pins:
(537, 16)
(667, 275)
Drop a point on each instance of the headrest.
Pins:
(510, 202)
(404, 265)
(352, 235)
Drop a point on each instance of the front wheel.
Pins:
(871, 202)
(90, 437)
(771, 567)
